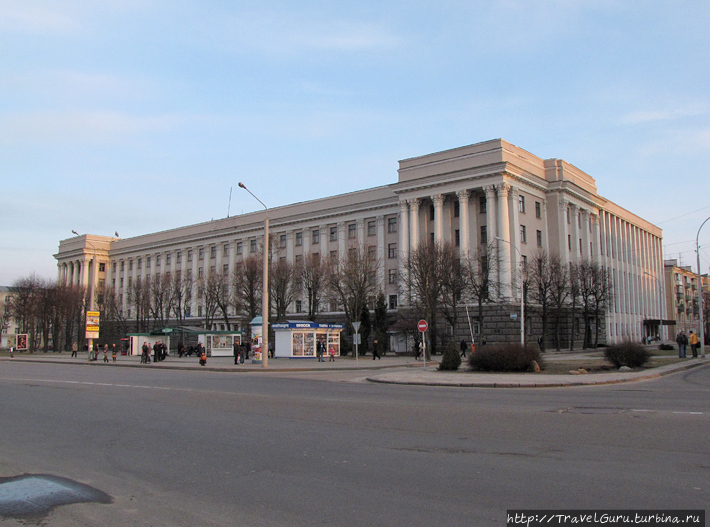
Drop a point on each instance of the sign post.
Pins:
(356, 337)
(422, 326)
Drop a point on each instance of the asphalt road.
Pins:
(187, 448)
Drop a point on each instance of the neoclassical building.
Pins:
(490, 192)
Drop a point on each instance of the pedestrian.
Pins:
(682, 342)
(331, 353)
(203, 357)
(271, 349)
(463, 347)
(236, 352)
(12, 352)
(105, 352)
(693, 341)
(113, 352)
(145, 353)
(247, 349)
(539, 343)
(417, 349)
(375, 351)
(320, 348)
(73, 349)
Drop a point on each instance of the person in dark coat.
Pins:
(463, 347)
(375, 351)
(236, 352)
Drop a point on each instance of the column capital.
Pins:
(503, 189)
(414, 204)
(490, 191)
(403, 205)
(463, 194)
(438, 199)
(380, 220)
(514, 191)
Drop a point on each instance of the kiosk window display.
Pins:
(298, 339)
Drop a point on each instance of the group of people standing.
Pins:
(683, 340)
(241, 351)
(159, 349)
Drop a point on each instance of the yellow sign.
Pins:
(92, 324)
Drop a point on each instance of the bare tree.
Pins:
(23, 305)
(559, 294)
(181, 292)
(281, 287)
(422, 284)
(352, 280)
(481, 286)
(139, 298)
(247, 287)
(161, 299)
(452, 283)
(220, 290)
(541, 277)
(313, 279)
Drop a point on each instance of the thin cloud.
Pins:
(81, 127)
(28, 18)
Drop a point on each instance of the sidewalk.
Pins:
(389, 370)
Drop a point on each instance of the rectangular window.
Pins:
(213, 252)
(168, 258)
(299, 306)
(392, 276)
(432, 212)
(147, 262)
(122, 262)
(299, 239)
(225, 269)
(240, 247)
(392, 250)
(282, 241)
(333, 256)
(569, 242)
(391, 225)
(200, 272)
(130, 265)
(484, 235)
(140, 263)
(252, 246)
(523, 234)
(201, 253)
(352, 231)
(457, 238)
(121, 282)
(114, 268)
(372, 252)
(333, 234)
(316, 237)
(178, 257)
(393, 302)
(225, 249)
(521, 204)
(482, 204)
(371, 228)
(457, 209)
(189, 255)
(157, 260)
(539, 238)
(538, 209)
(102, 267)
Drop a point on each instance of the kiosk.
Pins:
(297, 340)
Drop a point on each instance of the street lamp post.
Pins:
(700, 293)
(91, 276)
(522, 291)
(265, 295)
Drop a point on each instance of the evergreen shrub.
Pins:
(507, 357)
(451, 360)
(627, 353)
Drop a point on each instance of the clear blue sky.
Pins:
(139, 115)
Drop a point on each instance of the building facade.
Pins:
(682, 296)
(487, 193)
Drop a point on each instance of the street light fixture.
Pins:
(522, 291)
(265, 295)
(700, 293)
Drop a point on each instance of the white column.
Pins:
(464, 222)
(491, 221)
(306, 242)
(361, 233)
(289, 246)
(586, 225)
(564, 213)
(381, 252)
(341, 240)
(414, 224)
(573, 211)
(504, 249)
(438, 200)
(596, 248)
(515, 233)
(324, 237)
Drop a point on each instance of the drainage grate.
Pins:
(32, 495)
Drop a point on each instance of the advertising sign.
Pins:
(22, 342)
(92, 324)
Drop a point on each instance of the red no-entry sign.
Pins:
(422, 326)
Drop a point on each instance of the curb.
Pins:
(552, 384)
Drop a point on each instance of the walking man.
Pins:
(693, 340)
(375, 351)
(682, 342)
